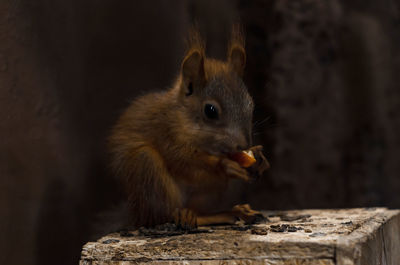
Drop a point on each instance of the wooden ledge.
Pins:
(343, 237)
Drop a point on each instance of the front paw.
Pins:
(185, 219)
(233, 170)
(261, 164)
(248, 215)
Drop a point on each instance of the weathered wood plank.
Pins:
(222, 262)
(345, 237)
(377, 241)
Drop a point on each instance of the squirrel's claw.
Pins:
(261, 164)
(248, 215)
(185, 219)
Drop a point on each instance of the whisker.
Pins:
(258, 123)
(270, 126)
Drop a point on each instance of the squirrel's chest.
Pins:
(195, 173)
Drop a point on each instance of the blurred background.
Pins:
(324, 74)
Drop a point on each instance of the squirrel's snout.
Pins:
(232, 145)
(241, 142)
(242, 147)
(235, 141)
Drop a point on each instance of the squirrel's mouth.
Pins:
(244, 158)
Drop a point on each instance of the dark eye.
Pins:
(211, 111)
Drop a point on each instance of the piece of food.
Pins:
(244, 158)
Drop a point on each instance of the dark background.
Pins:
(324, 74)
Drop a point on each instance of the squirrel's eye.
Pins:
(211, 111)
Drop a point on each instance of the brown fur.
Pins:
(167, 154)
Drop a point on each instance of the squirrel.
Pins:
(171, 149)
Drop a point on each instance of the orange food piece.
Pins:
(244, 158)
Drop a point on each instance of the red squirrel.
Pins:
(172, 150)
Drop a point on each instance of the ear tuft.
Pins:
(236, 51)
(194, 41)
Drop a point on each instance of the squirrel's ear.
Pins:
(236, 52)
(237, 58)
(193, 70)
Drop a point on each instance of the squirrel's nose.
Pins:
(242, 143)
(241, 147)
(239, 140)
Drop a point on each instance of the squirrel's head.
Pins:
(218, 108)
